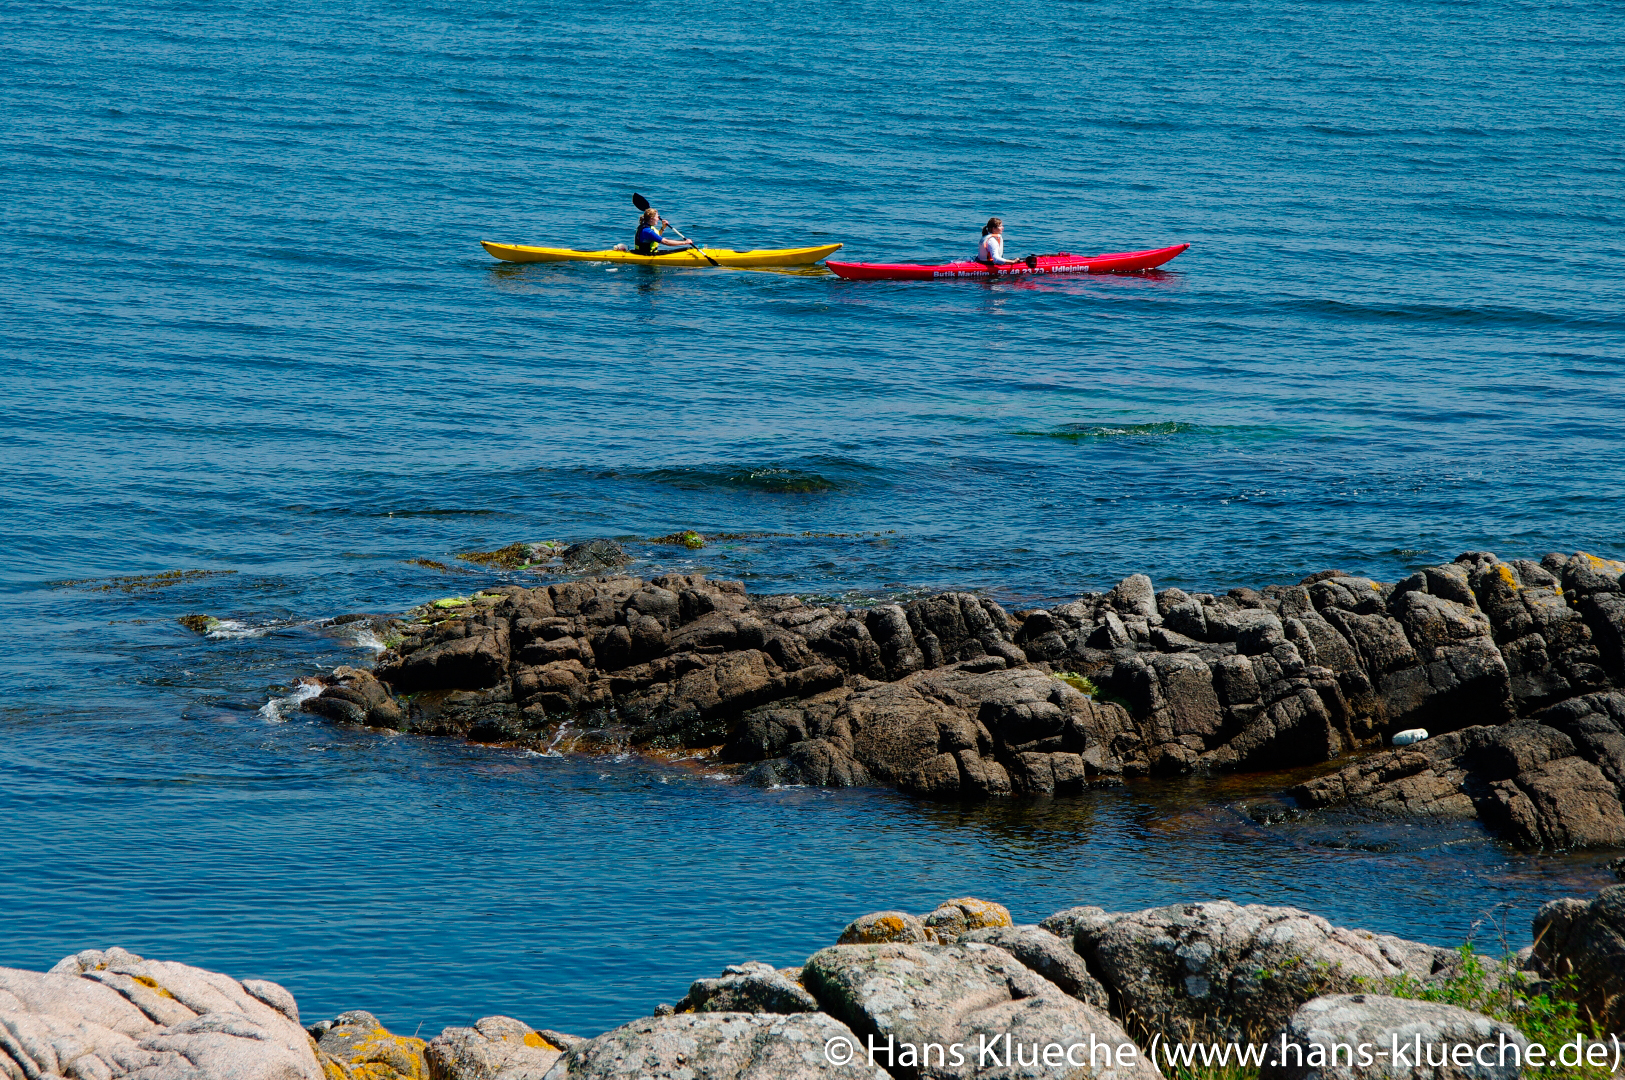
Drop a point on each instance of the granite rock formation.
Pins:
(1346, 1021)
(1094, 981)
(1516, 664)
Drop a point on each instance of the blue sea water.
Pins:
(247, 328)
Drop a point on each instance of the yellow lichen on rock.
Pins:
(1604, 566)
(358, 1047)
(881, 927)
(534, 1039)
(960, 916)
(980, 914)
(152, 984)
(1507, 576)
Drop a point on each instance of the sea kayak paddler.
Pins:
(649, 241)
(992, 249)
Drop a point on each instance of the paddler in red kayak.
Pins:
(992, 250)
(649, 241)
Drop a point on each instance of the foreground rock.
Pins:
(1233, 972)
(1515, 663)
(957, 992)
(101, 1015)
(966, 998)
(355, 1046)
(495, 1048)
(1584, 942)
(1351, 1020)
(715, 1046)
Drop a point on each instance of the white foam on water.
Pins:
(366, 639)
(274, 711)
(232, 629)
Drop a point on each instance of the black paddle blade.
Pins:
(639, 201)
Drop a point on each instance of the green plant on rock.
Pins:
(1545, 1012)
(687, 537)
(1078, 682)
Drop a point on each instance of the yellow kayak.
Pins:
(802, 256)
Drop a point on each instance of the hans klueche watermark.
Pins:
(1400, 1052)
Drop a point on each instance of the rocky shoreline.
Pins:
(959, 975)
(1515, 668)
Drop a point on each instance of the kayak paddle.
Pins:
(643, 204)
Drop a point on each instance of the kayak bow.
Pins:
(1126, 262)
(802, 256)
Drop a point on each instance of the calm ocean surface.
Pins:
(247, 327)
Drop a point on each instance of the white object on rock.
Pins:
(1410, 735)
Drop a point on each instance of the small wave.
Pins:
(1078, 432)
(768, 480)
(368, 639)
(275, 710)
(1449, 314)
(234, 629)
(1157, 430)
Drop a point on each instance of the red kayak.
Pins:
(1125, 263)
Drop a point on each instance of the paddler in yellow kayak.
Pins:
(649, 241)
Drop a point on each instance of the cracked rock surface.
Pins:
(1515, 667)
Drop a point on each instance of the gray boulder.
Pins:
(884, 926)
(593, 557)
(105, 1015)
(752, 987)
(1235, 972)
(971, 996)
(1585, 941)
(495, 1048)
(1345, 1024)
(715, 1046)
(1048, 955)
